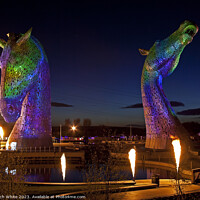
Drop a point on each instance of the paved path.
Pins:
(166, 189)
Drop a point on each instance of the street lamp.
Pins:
(60, 136)
(73, 128)
(1, 135)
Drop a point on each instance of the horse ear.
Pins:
(2, 43)
(144, 52)
(24, 37)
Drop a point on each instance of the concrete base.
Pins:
(15, 143)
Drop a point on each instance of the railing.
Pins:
(41, 149)
(38, 149)
(196, 175)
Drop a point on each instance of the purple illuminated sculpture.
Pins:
(162, 59)
(25, 91)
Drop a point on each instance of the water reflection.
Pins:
(73, 174)
(39, 175)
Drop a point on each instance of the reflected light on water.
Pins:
(132, 158)
(177, 151)
(63, 165)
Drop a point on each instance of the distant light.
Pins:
(1, 132)
(12, 172)
(7, 145)
(73, 128)
(13, 146)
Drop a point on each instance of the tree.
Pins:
(77, 122)
(87, 122)
(101, 167)
(67, 122)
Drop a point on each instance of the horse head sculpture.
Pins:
(162, 59)
(25, 91)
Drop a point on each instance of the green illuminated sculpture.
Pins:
(25, 91)
(162, 59)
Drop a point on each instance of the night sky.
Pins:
(92, 48)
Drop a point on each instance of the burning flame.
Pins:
(63, 165)
(1, 132)
(132, 158)
(177, 151)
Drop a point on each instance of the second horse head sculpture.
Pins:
(162, 59)
(25, 91)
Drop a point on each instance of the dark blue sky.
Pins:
(92, 47)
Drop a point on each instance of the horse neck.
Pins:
(153, 94)
(36, 107)
(160, 118)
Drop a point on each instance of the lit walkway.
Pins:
(166, 188)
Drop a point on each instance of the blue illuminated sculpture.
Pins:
(25, 91)
(162, 59)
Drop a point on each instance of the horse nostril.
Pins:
(10, 109)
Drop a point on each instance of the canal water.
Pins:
(74, 175)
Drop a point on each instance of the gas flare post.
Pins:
(63, 165)
(177, 151)
(132, 158)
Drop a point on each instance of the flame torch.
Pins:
(177, 151)
(63, 165)
(132, 158)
